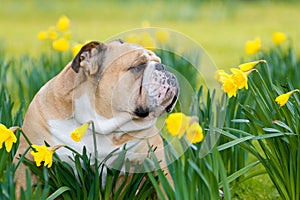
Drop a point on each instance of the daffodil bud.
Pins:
(283, 99)
(79, 132)
(245, 67)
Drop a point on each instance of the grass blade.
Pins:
(58, 192)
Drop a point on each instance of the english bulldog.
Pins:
(123, 88)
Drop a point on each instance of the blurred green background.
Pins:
(221, 27)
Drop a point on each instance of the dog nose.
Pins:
(159, 67)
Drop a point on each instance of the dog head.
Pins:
(126, 78)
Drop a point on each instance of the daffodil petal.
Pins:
(176, 124)
(194, 133)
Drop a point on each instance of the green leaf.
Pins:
(234, 142)
(240, 121)
(241, 172)
(58, 192)
(283, 125)
(272, 130)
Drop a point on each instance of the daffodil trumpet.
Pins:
(44, 154)
(78, 133)
(7, 137)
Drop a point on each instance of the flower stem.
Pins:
(73, 150)
(95, 143)
(27, 139)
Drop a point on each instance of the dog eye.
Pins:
(138, 68)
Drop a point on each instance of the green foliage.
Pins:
(81, 178)
(276, 129)
(283, 66)
(9, 119)
(196, 175)
(180, 64)
(34, 73)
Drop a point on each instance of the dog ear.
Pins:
(89, 58)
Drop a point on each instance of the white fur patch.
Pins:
(84, 112)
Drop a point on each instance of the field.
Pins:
(221, 28)
(251, 142)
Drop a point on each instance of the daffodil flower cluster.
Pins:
(238, 79)
(45, 154)
(40, 153)
(178, 123)
(60, 36)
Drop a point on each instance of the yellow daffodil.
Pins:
(43, 154)
(278, 38)
(79, 132)
(42, 35)
(245, 67)
(147, 41)
(61, 44)
(63, 23)
(162, 36)
(194, 133)
(177, 124)
(240, 78)
(52, 34)
(7, 137)
(133, 38)
(283, 99)
(229, 86)
(253, 46)
(76, 48)
(228, 82)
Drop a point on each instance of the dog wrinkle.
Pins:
(120, 140)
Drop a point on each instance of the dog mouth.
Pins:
(170, 107)
(144, 112)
